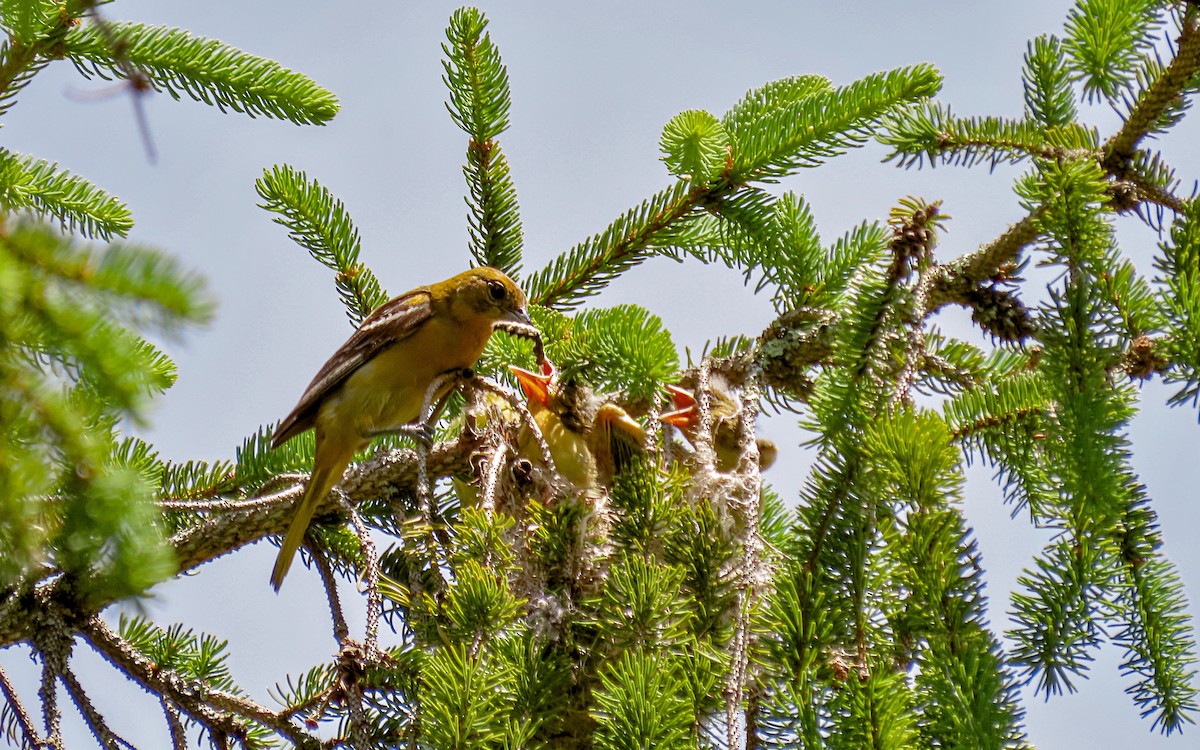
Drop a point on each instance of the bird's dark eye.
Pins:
(497, 291)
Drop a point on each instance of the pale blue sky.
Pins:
(592, 86)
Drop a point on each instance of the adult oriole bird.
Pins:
(588, 440)
(723, 410)
(378, 379)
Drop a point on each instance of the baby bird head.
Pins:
(723, 408)
(570, 402)
(535, 386)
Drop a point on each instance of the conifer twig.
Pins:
(1149, 192)
(100, 729)
(341, 631)
(52, 716)
(216, 709)
(1155, 100)
(557, 290)
(52, 642)
(24, 720)
(750, 572)
(174, 725)
(371, 581)
(491, 478)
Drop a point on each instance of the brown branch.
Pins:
(220, 711)
(984, 262)
(1148, 192)
(174, 725)
(24, 720)
(100, 729)
(1163, 93)
(370, 577)
(628, 246)
(341, 631)
(384, 475)
(48, 693)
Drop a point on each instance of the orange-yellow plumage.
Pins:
(377, 381)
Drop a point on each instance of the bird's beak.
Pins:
(680, 417)
(681, 398)
(519, 316)
(684, 402)
(616, 417)
(536, 387)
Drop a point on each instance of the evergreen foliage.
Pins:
(206, 70)
(320, 223)
(670, 604)
(479, 104)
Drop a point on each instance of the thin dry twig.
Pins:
(100, 729)
(218, 710)
(24, 720)
(371, 581)
(752, 575)
(51, 715)
(174, 725)
(1161, 94)
(341, 631)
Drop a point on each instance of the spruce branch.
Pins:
(51, 713)
(816, 123)
(1146, 191)
(24, 720)
(103, 733)
(1049, 98)
(29, 20)
(958, 277)
(1159, 645)
(19, 63)
(222, 532)
(207, 70)
(174, 725)
(479, 104)
(931, 132)
(319, 223)
(44, 188)
(222, 712)
(590, 265)
(341, 631)
(1163, 94)
(752, 572)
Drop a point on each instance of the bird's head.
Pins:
(685, 415)
(489, 292)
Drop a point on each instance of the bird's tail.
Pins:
(326, 473)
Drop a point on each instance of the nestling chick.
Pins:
(589, 441)
(723, 409)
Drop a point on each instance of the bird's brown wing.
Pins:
(393, 321)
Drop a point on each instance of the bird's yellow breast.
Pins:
(389, 389)
(570, 451)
